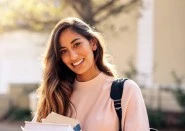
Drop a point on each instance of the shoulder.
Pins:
(131, 87)
(131, 93)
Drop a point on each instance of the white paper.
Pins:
(35, 126)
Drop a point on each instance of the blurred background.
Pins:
(146, 39)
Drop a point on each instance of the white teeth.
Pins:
(77, 63)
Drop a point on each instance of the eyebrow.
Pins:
(71, 42)
(74, 40)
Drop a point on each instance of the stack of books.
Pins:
(53, 122)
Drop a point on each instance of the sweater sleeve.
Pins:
(134, 114)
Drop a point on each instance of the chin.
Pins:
(79, 72)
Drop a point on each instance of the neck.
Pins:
(88, 76)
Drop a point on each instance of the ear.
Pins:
(93, 44)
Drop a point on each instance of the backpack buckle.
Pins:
(117, 104)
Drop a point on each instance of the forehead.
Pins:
(68, 36)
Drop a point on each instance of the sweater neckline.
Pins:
(87, 84)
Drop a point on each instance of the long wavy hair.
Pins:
(57, 85)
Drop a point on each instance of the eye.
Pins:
(63, 51)
(77, 44)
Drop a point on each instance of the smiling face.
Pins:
(77, 54)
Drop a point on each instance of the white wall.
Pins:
(169, 37)
(20, 57)
(145, 45)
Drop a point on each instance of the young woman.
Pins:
(77, 82)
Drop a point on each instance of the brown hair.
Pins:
(56, 88)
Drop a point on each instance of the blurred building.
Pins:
(20, 67)
(153, 41)
(20, 58)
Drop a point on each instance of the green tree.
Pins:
(179, 91)
(31, 14)
(95, 11)
(179, 94)
(43, 14)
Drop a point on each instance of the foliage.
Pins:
(31, 14)
(44, 14)
(182, 120)
(95, 11)
(156, 119)
(18, 114)
(180, 97)
(179, 92)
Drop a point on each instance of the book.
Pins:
(53, 122)
(35, 126)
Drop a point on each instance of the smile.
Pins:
(77, 63)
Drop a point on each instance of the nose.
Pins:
(73, 55)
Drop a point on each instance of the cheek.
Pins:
(64, 59)
(87, 51)
(90, 56)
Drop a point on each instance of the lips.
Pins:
(78, 62)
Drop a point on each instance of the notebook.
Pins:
(35, 126)
(53, 122)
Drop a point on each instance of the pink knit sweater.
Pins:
(95, 109)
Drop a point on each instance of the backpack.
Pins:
(116, 94)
